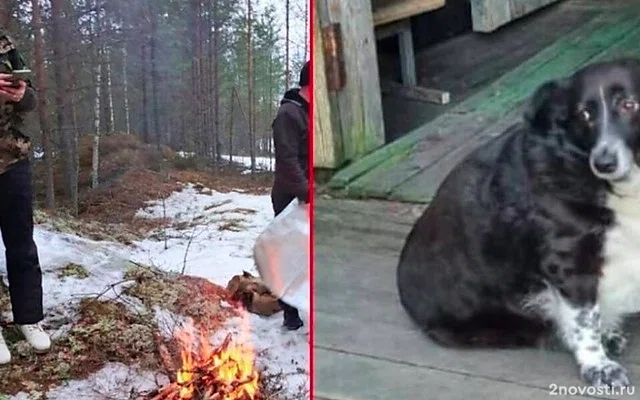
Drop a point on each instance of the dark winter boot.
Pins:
(292, 319)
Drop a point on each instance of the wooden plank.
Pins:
(407, 56)
(489, 15)
(358, 316)
(387, 11)
(422, 187)
(404, 145)
(371, 175)
(467, 63)
(327, 149)
(492, 108)
(401, 344)
(344, 376)
(416, 93)
(402, 31)
(359, 103)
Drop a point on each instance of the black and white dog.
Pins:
(538, 230)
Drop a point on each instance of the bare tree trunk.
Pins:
(233, 92)
(286, 46)
(216, 83)
(270, 113)
(154, 71)
(7, 22)
(63, 97)
(112, 120)
(96, 28)
(95, 160)
(212, 136)
(196, 77)
(125, 83)
(306, 29)
(145, 97)
(41, 77)
(250, 77)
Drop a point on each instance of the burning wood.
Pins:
(224, 373)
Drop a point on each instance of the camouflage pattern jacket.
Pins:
(14, 145)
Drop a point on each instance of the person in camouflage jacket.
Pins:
(17, 97)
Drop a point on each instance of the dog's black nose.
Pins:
(606, 162)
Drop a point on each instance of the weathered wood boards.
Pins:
(366, 348)
(326, 138)
(357, 125)
(416, 93)
(392, 18)
(390, 171)
(386, 11)
(489, 15)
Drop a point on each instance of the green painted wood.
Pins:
(421, 187)
(405, 144)
(492, 104)
(352, 119)
(380, 173)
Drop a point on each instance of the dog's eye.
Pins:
(584, 115)
(630, 105)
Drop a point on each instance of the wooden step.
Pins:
(387, 11)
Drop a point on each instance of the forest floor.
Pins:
(150, 254)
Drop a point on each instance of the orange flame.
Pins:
(229, 368)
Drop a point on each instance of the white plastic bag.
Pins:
(281, 254)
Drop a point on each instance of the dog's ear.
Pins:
(549, 106)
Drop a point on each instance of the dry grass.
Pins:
(109, 331)
(193, 297)
(106, 331)
(73, 270)
(131, 174)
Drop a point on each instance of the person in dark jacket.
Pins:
(17, 97)
(290, 136)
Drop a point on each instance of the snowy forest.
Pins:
(152, 170)
(199, 78)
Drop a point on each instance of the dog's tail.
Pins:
(491, 330)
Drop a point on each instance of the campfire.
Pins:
(226, 372)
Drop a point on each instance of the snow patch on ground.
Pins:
(114, 381)
(212, 236)
(262, 163)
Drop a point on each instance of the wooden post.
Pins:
(327, 140)
(356, 125)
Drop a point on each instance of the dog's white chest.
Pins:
(619, 288)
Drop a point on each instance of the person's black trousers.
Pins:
(280, 201)
(16, 225)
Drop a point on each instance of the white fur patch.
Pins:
(580, 334)
(619, 287)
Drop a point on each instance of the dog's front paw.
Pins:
(614, 343)
(608, 373)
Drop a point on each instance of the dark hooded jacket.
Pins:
(290, 135)
(14, 145)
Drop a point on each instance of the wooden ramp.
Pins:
(366, 348)
(411, 168)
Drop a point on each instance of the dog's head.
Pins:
(598, 111)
